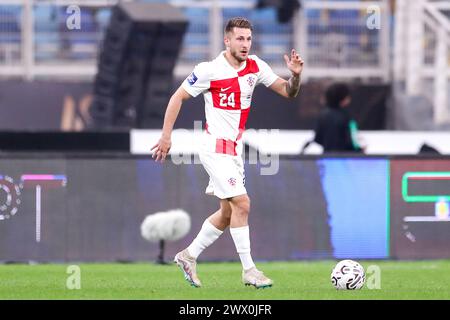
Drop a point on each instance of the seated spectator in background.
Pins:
(336, 131)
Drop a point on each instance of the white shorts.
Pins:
(226, 174)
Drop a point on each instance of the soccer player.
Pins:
(227, 85)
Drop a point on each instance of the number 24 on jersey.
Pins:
(226, 100)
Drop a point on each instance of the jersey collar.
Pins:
(225, 61)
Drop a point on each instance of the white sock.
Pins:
(207, 235)
(241, 238)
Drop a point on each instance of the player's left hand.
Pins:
(295, 63)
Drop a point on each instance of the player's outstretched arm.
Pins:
(162, 147)
(290, 88)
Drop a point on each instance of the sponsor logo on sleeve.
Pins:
(192, 78)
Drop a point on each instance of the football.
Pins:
(348, 275)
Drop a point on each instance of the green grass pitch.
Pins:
(221, 281)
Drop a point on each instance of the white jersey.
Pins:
(228, 93)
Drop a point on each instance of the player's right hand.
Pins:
(161, 149)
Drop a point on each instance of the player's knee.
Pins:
(247, 205)
(243, 206)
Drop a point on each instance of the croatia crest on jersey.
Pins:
(192, 78)
(251, 81)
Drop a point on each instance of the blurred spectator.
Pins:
(336, 131)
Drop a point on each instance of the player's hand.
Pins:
(161, 149)
(295, 63)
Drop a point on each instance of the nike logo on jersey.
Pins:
(224, 89)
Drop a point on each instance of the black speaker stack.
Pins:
(135, 65)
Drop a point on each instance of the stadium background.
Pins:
(64, 145)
